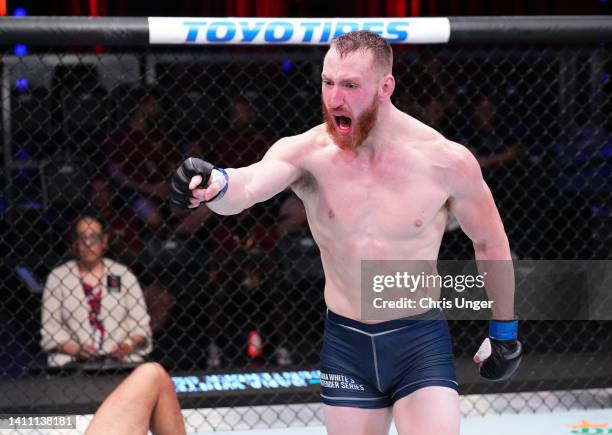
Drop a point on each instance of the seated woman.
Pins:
(93, 306)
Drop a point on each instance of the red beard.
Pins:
(361, 127)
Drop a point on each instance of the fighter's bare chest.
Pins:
(375, 199)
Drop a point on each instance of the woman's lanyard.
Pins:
(93, 294)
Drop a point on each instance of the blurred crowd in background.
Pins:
(96, 264)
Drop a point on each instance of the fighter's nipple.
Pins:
(418, 223)
(331, 214)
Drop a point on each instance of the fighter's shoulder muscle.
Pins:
(294, 149)
(299, 151)
(457, 165)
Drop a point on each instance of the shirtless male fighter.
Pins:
(377, 185)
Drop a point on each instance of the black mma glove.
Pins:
(500, 354)
(179, 190)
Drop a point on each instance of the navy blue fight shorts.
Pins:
(373, 365)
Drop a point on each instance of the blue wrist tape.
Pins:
(219, 195)
(503, 330)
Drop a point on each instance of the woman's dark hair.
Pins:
(88, 214)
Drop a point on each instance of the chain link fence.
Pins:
(99, 135)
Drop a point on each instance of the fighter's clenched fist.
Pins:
(197, 181)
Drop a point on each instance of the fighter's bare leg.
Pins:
(429, 410)
(145, 400)
(340, 420)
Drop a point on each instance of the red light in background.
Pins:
(93, 8)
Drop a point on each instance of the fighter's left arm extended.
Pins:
(472, 204)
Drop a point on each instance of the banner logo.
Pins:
(316, 31)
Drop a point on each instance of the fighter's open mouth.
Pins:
(343, 123)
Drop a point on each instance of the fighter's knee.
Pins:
(152, 371)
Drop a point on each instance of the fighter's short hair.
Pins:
(363, 40)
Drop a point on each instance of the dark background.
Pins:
(311, 8)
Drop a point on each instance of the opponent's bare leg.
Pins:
(145, 400)
(340, 420)
(429, 410)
